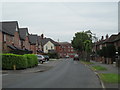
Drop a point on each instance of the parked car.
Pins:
(76, 58)
(46, 57)
(67, 56)
(41, 59)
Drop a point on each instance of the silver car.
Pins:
(41, 59)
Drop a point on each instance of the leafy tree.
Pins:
(110, 51)
(88, 48)
(79, 40)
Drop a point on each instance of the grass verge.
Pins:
(110, 77)
(98, 68)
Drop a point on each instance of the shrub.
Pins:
(31, 59)
(53, 55)
(8, 60)
(21, 61)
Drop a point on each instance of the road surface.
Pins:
(66, 74)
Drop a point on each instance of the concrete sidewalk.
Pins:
(110, 69)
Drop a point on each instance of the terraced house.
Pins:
(18, 40)
(14, 39)
(10, 36)
(112, 40)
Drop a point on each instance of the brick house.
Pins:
(25, 44)
(112, 40)
(10, 36)
(33, 43)
(39, 50)
(66, 49)
(117, 41)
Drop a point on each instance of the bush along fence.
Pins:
(13, 61)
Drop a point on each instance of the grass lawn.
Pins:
(85, 62)
(98, 68)
(110, 77)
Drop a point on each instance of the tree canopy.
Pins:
(80, 38)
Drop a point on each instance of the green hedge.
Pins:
(21, 61)
(32, 60)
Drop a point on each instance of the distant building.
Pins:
(66, 49)
(48, 45)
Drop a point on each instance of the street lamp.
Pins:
(117, 59)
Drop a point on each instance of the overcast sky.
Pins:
(61, 21)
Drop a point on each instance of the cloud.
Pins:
(63, 19)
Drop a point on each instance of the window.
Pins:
(12, 39)
(46, 48)
(5, 37)
(51, 47)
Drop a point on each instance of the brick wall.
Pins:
(17, 41)
(33, 48)
(7, 41)
(26, 43)
(66, 50)
(1, 42)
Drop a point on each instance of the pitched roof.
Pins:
(9, 27)
(118, 37)
(100, 42)
(45, 40)
(23, 32)
(111, 39)
(33, 38)
(65, 43)
(39, 39)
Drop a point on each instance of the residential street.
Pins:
(65, 74)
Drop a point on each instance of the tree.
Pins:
(88, 48)
(110, 51)
(79, 39)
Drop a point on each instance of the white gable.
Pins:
(48, 46)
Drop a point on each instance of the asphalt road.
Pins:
(66, 74)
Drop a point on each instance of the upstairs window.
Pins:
(4, 37)
(46, 48)
(51, 47)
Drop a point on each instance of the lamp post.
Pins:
(117, 59)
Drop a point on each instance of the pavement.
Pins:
(111, 68)
(65, 74)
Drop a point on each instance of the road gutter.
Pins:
(101, 82)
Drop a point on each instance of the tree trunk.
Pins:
(88, 57)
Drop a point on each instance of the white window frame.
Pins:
(4, 37)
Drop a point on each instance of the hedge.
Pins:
(21, 61)
(32, 60)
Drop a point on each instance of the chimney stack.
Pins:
(42, 36)
(102, 38)
(107, 36)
